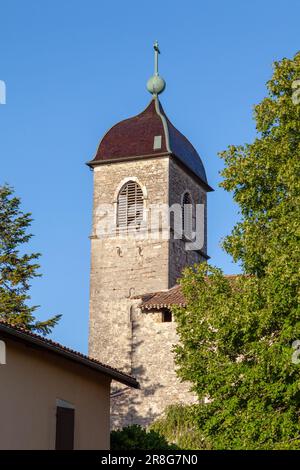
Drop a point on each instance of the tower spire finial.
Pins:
(156, 52)
(156, 84)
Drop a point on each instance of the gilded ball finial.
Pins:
(156, 84)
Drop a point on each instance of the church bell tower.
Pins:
(142, 164)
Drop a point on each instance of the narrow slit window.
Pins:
(187, 216)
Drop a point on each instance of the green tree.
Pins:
(180, 428)
(16, 269)
(135, 437)
(236, 333)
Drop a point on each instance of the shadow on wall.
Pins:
(131, 406)
(149, 363)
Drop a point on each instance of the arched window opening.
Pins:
(130, 206)
(187, 216)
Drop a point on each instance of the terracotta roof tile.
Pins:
(163, 299)
(134, 137)
(167, 298)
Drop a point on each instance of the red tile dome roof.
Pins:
(148, 134)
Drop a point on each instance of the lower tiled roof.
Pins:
(167, 298)
(163, 299)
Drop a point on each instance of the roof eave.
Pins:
(93, 163)
(205, 185)
(162, 306)
(40, 343)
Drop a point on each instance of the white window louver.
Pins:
(130, 206)
(187, 216)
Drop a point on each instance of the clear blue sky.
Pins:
(74, 68)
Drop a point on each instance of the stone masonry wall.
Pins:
(122, 268)
(153, 365)
(122, 335)
(179, 182)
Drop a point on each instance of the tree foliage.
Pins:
(135, 437)
(236, 333)
(179, 427)
(17, 269)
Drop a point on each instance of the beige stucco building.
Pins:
(52, 397)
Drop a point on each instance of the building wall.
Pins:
(153, 365)
(30, 383)
(123, 268)
(181, 181)
(120, 334)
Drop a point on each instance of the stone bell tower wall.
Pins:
(124, 267)
(181, 181)
(121, 334)
(153, 366)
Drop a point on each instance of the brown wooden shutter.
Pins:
(64, 428)
(130, 205)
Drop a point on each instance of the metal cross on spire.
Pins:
(156, 52)
(156, 84)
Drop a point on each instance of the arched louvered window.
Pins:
(187, 215)
(130, 205)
